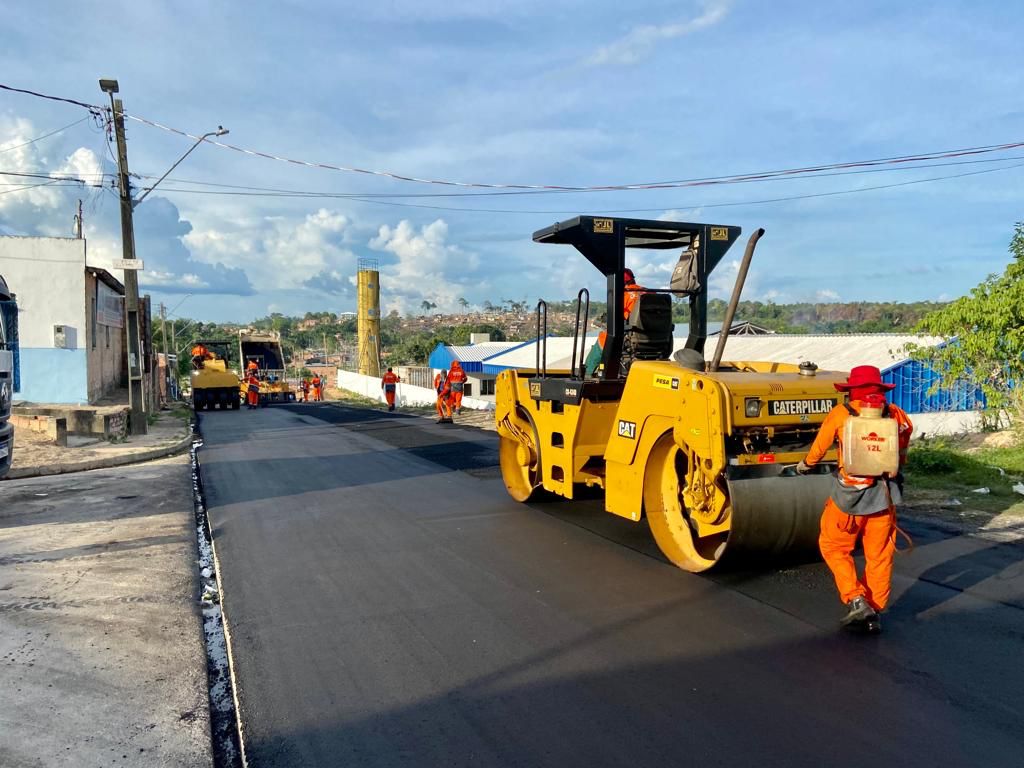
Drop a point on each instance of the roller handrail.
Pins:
(576, 332)
(542, 310)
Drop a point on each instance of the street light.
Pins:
(221, 131)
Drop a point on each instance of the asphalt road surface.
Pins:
(389, 605)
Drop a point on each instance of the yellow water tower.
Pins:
(369, 317)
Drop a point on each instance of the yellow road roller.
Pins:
(213, 381)
(704, 451)
(264, 348)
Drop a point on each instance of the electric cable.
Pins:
(44, 136)
(670, 184)
(404, 195)
(571, 212)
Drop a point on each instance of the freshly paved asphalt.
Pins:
(389, 605)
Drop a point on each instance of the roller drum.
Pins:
(775, 513)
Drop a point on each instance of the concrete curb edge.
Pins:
(105, 463)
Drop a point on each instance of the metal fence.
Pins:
(920, 389)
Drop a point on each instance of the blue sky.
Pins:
(571, 93)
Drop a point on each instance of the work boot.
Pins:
(860, 616)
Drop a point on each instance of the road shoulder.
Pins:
(101, 642)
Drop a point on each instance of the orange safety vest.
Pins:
(390, 378)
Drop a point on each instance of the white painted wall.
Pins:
(48, 276)
(945, 423)
(369, 386)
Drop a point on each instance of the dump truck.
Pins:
(264, 349)
(214, 382)
(8, 326)
(705, 452)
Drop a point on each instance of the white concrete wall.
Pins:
(945, 423)
(369, 386)
(48, 276)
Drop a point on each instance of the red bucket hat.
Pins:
(864, 376)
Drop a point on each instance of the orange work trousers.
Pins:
(877, 533)
(444, 407)
(252, 398)
(305, 395)
(456, 400)
(389, 395)
(316, 394)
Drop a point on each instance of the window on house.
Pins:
(486, 386)
(92, 334)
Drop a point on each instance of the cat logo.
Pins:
(604, 226)
(627, 429)
(665, 382)
(719, 233)
(534, 389)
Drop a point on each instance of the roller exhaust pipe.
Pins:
(730, 312)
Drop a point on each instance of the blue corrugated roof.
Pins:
(470, 356)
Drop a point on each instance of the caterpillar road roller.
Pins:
(214, 383)
(704, 451)
(264, 349)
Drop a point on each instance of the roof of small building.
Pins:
(470, 356)
(105, 277)
(830, 352)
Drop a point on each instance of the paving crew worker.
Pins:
(860, 507)
(304, 386)
(457, 382)
(389, 383)
(444, 408)
(252, 367)
(317, 388)
(199, 355)
(252, 394)
(630, 293)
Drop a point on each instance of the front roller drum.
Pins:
(769, 516)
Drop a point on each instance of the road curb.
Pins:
(105, 463)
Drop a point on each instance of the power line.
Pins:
(44, 136)
(246, 190)
(608, 211)
(93, 108)
(671, 184)
(28, 186)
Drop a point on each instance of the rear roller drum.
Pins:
(519, 458)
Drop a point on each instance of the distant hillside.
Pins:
(409, 339)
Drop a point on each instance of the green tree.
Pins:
(984, 331)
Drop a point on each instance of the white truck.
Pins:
(8, 323)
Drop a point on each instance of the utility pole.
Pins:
(163, 344)
(131, 276)
(174, 351)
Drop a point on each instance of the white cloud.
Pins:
(428, 267)
(826, 295)
(640, 41)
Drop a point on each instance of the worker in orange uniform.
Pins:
(304, 386)
(252, 394)
(200, 354)
(860, 508)
(443, 405)
(252, 367)
(389, 383)
(457, 383)
(318, 384)
(631, 293)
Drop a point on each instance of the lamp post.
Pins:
(136, 396)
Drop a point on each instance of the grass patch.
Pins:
(943, 465)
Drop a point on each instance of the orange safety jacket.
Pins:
(851, 493)
(254, 383)
(629, 298)
(390, 378)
